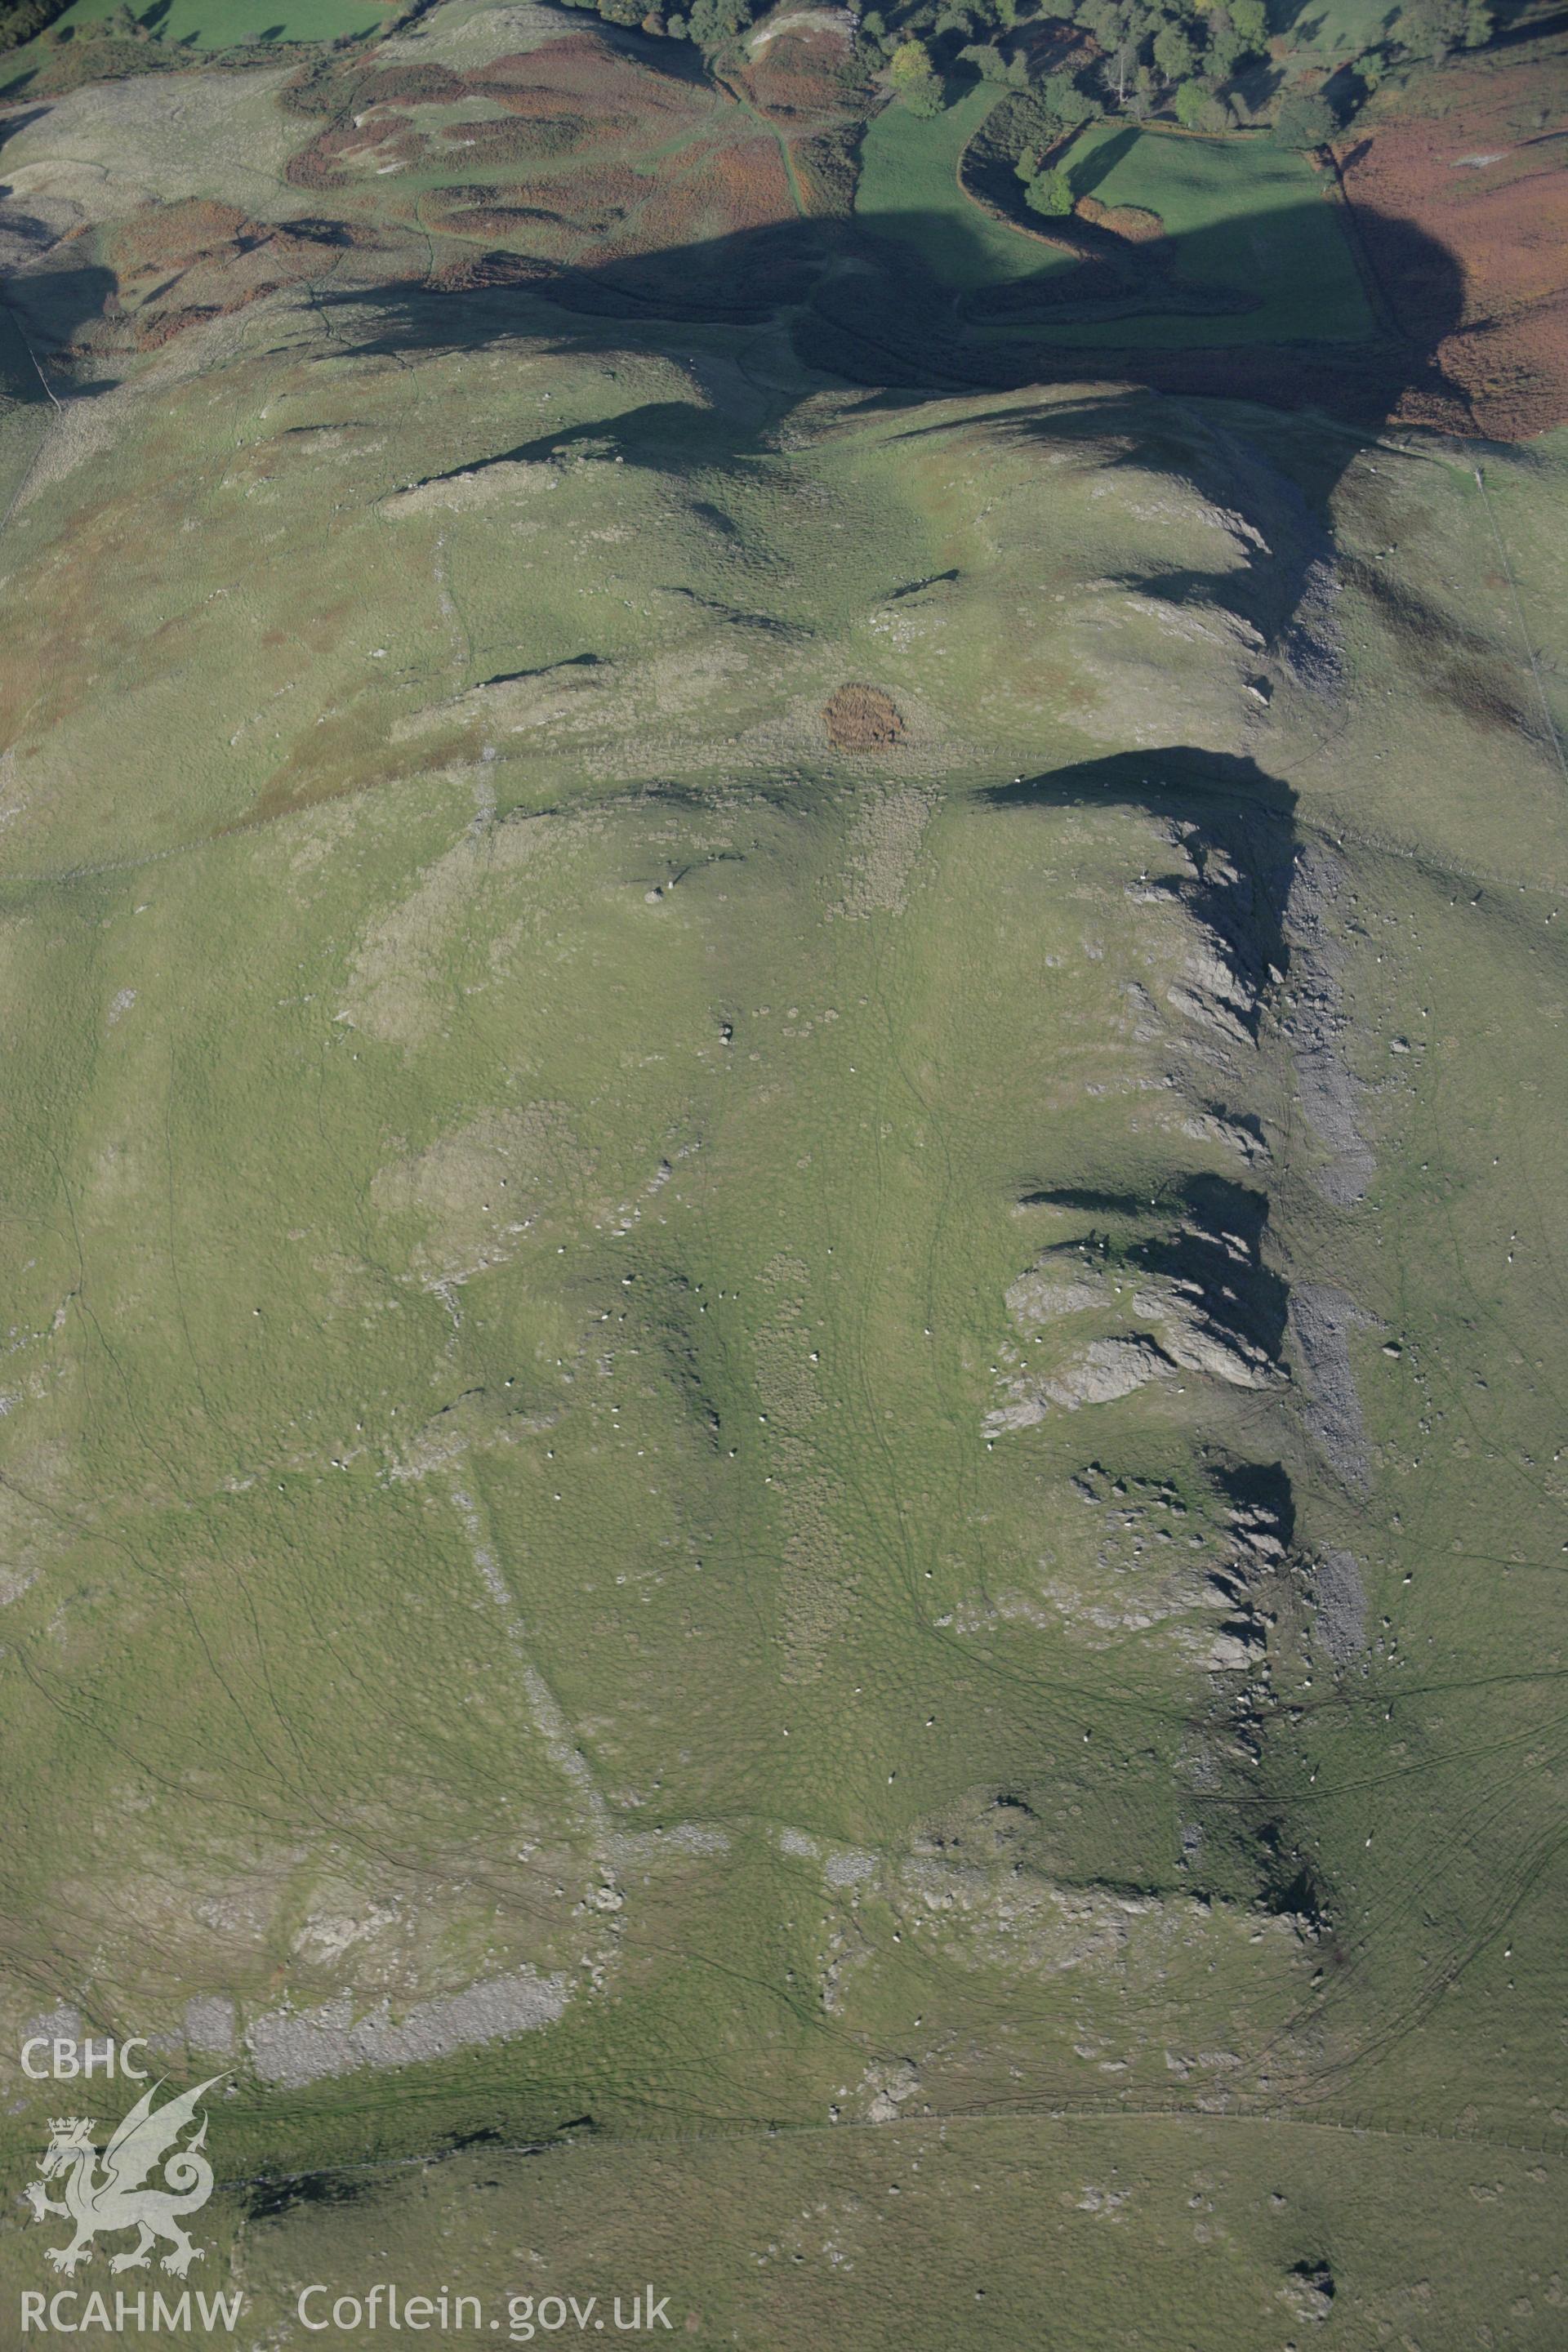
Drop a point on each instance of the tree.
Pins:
(912, 75)
(1174, 53)
(712, 22)
(1049, 192)
(1106, 19)
(909, 62)
(1435, 28)
(1195, 108)
(1116, 66)
(1304, 122)
(1250, 22)
(1064, 102)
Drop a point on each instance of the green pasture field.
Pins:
(909, 189)
(198, 25)
(1244, 215)
(1340, 28)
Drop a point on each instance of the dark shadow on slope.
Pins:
(1237, 826)
(1203, 1233)
(1206, 1237)
(1091, 170)
(671, 436)
(22, 120)
(52, 307)
(873, 309)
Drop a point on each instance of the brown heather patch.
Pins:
(176, 265)
(168, 236)
(750, 186)
(475, 273)
(1485, 182)
(805, 81)
(862, 719)
(531, 140)
(581, 209)
(1130, 221)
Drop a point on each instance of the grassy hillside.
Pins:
(780, 1440)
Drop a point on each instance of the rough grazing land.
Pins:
(781, 1433)
(1462, 215)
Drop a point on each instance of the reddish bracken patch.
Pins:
(178, 264)
(862, 719)
(803, 79)
(597, 158)
(1462, 220)
(1128, 221)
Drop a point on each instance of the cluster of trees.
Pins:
(708, 23)
(1153, 49)
(1432, 30)
(1180, 55)
(1151, 52)
(20, 20)
(1046, 190)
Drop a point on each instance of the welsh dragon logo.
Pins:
(114, 2198)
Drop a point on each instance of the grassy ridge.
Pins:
(521, 1155)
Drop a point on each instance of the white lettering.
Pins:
(39, 2074)
(316, 2326)
(137, 2074)
(225, 2308)
(32, 2310)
